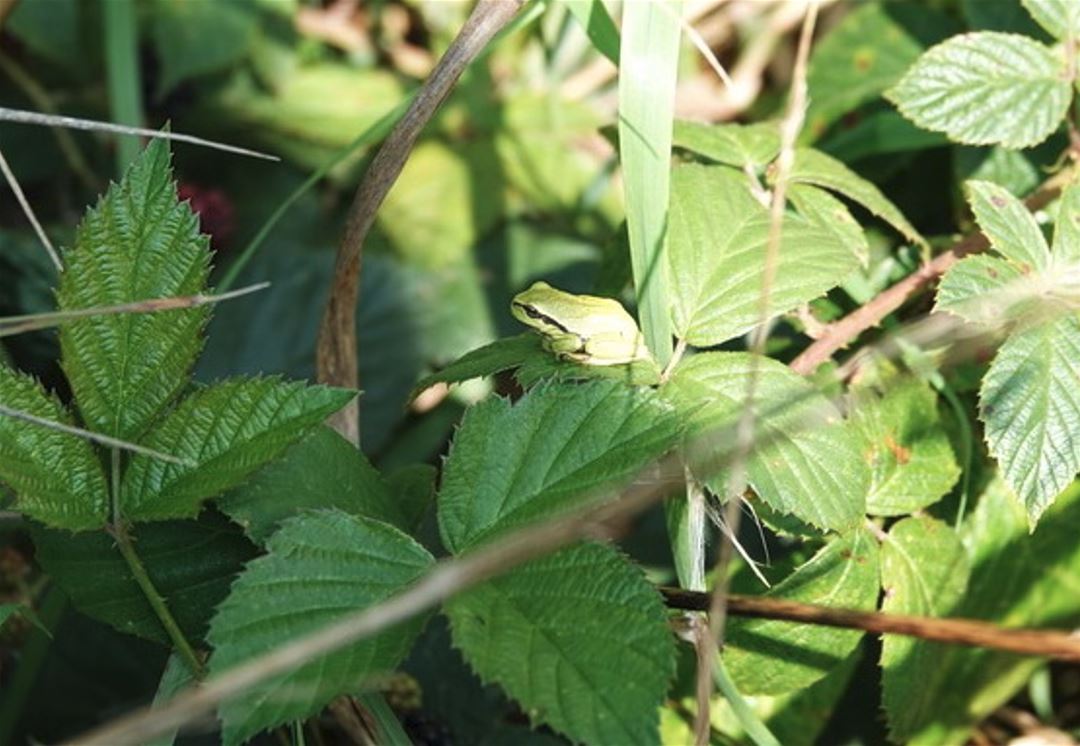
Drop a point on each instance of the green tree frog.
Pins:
(583, 328)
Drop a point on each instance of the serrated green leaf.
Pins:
(227, 431)
(1017, 580)
(1060, 17)
(557, 447)
(321, 471)
(1066, 247)
(924, 571)
(196, 38)
(56, 476)
(982, 289)
(138, 243)
(548, 366)
(986, 88)
(320, 567)
(502, 354)
(1030, 403)
(808, 462)
(817, 168)
(739, 145)
(772, 657)
(820, 207)
(1010, 227)
(191, 563)
(546, 633)
(716, 247)
(911, 462)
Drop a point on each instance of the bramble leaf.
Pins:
(911, 462)
(1017, 580)
(191, 563)
(1060, 17)
(1030, 403)
(822, 170)
(56, 476)
(772, 657)
(321, 471)
(138, 243)
(924, 572)
(320, 567)
(987, 88)
(557, 447)
(579, 638)
(739, 145)
(807, 461)
(227, 430)
(1009, 226)
(716, 245)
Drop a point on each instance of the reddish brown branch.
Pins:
(1038, 642)
(839, 334)
(336, 354)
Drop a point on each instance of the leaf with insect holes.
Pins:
(319, 568)
(911, 462)
(717, 242)
(138, 243)
(987, 88)
(226, 432)
(766, 656)
(806, 461)
(555, 448)
(56, 476)
(579, 639)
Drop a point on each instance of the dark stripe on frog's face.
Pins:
(532, 313)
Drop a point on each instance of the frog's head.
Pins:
(538, 307)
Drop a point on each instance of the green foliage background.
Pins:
(930, 484)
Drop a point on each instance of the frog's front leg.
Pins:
(566, 345)
(614, 348)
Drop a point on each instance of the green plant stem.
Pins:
(156, 600)
(126, 546)
(756, 730)
(122, 70)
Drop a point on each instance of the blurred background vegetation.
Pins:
(515, 180)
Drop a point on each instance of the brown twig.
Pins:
(837, 335)
(1044, 643)
(336, 354)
